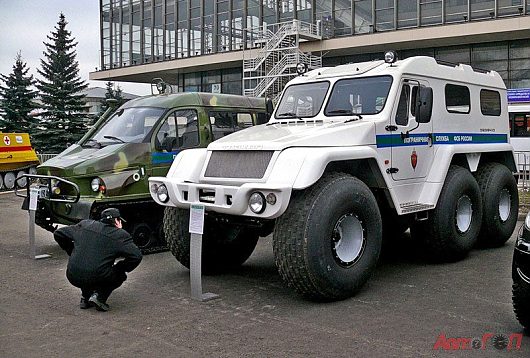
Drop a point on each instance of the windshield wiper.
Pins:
(356, 118)
(341, 111)
(91, 140)
(286, 114)
(115, 138)
(346, 111)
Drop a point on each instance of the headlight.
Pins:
(527, 222)
(256, 203)
(161, 193)
(97, 185)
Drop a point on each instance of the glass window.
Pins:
(303, 100)
(187, 128)
(402, 115)
(407, 13)
(244, 120)
(384, 15)
(457, 54)
(457, 99)
(226, 122)
(179, 130)
(431, 12)
(455, 10)
(482, 9)
(358, 96)
(129, 125)
(363, 16)
(490, 103)
(343, 17)
(166, 138)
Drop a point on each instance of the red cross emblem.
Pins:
(7, 141)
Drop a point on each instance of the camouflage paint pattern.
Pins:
(125, 167)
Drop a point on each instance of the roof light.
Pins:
(391, 56)
(301, 68)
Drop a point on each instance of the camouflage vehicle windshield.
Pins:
(111, 164)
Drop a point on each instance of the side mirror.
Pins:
(112, 102)
(269, 107)
(424, 105)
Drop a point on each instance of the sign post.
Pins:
(33, 196)
(196, 228)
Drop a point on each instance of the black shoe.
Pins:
(100, 306)
(85, 303)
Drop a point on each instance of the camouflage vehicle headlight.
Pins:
(97, 185)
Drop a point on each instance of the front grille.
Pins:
(238, 164)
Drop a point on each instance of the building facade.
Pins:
(200, 45)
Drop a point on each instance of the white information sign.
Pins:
(196, 219)
(33, 195)
(216, 88)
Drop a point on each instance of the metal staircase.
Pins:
(272, 61)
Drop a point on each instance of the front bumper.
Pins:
(64, 213)
(226, 199)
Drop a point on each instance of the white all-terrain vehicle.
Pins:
(351, 153)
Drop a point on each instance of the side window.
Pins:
(225, 122)
(187, 128)
(262, 117)
(166, 138)
(402, 115)
(457, 99)
(490, 103)
(413, 101)
(244, 120)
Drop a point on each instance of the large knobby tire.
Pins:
(521, 301)
(224, 247)
(327, 243)
(452, 227)
(500, 204)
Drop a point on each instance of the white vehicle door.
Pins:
(412, 150)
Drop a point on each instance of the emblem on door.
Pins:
(414, 159)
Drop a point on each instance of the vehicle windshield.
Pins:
(302, 101)
(366, 95)
(129, 125)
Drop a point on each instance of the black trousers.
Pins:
(103, 286)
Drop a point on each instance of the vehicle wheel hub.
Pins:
(464, 213)
(504, 205)
(348, 240)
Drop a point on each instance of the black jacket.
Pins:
(93, 248)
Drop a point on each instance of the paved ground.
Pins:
(402, 312)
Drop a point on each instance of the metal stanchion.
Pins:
(33, 196)
(196, 227)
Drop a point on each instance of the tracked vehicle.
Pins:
(17, 158)
(352, 153)
(111, 164)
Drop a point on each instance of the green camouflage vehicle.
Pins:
(111, 164)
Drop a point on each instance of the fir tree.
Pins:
(111, 94)
(17, 99)
(63, 119)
